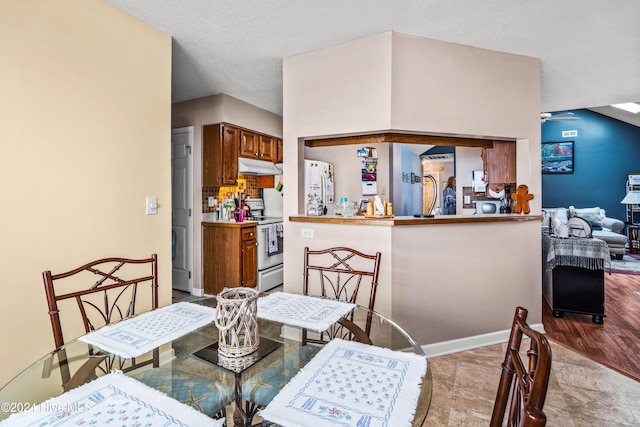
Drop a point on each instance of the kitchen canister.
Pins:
(237, 321)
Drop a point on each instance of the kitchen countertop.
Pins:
(225, 223)
(411, 220)
(207, 219)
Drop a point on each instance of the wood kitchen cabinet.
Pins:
(267, 148)
(279, 151)
(257, 146)
(499, 163)
(220, 144)
(229, 252)
(249, 145)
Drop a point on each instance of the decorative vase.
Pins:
(554, 221)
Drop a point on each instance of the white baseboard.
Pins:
(441, 348)
(197, 292)
(469, 343)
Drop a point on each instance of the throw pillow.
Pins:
(593, 216)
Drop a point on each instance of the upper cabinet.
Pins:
(249, 144)
(267, 148)
(499, 164)
(258, 146)
(220, 144)
(279, 151)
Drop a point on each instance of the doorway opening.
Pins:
(182, 208)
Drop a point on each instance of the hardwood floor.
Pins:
(615, 343)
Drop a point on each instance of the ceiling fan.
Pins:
(561, 116)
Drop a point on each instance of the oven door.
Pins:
(269, 254)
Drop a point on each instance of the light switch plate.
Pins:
(152, 206)
(307, 232)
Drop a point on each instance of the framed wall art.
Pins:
(557, 157)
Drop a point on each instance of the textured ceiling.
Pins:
(589, 49)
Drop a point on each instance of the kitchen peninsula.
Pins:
(409, 220)
(454, 282)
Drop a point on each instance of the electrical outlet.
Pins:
(212, 201)
(383, 191)
(467, 200)
(307, 232)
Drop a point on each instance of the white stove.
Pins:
(270, 246)
(265, 219)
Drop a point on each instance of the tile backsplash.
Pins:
(251, 182)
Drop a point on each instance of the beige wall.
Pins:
(86, 99)
(206, 111)
(399, 82)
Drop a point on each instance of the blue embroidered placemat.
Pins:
(113, 399)
(141, 334)
(351, 384)
(314, 313)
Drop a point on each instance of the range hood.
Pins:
(258, 167)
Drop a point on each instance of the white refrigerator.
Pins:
(272, 198)
(318, 188)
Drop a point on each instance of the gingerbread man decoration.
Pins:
(522, 198)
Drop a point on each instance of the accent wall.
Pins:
(605, 151)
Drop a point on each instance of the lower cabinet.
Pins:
(229, 252)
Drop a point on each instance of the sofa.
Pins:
(603, 227)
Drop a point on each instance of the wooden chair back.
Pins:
(341, 272)
(523, 387)
(104, 291)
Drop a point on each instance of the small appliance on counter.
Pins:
(488, 207)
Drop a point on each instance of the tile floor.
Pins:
(581, 393)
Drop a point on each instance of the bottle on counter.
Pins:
(346, 208)
(344, 202)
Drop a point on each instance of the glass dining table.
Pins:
(196, 353)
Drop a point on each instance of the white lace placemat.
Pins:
(141, 334)
(351, 384)
(314, 313)
(113, 399)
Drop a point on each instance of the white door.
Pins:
(182, 207)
